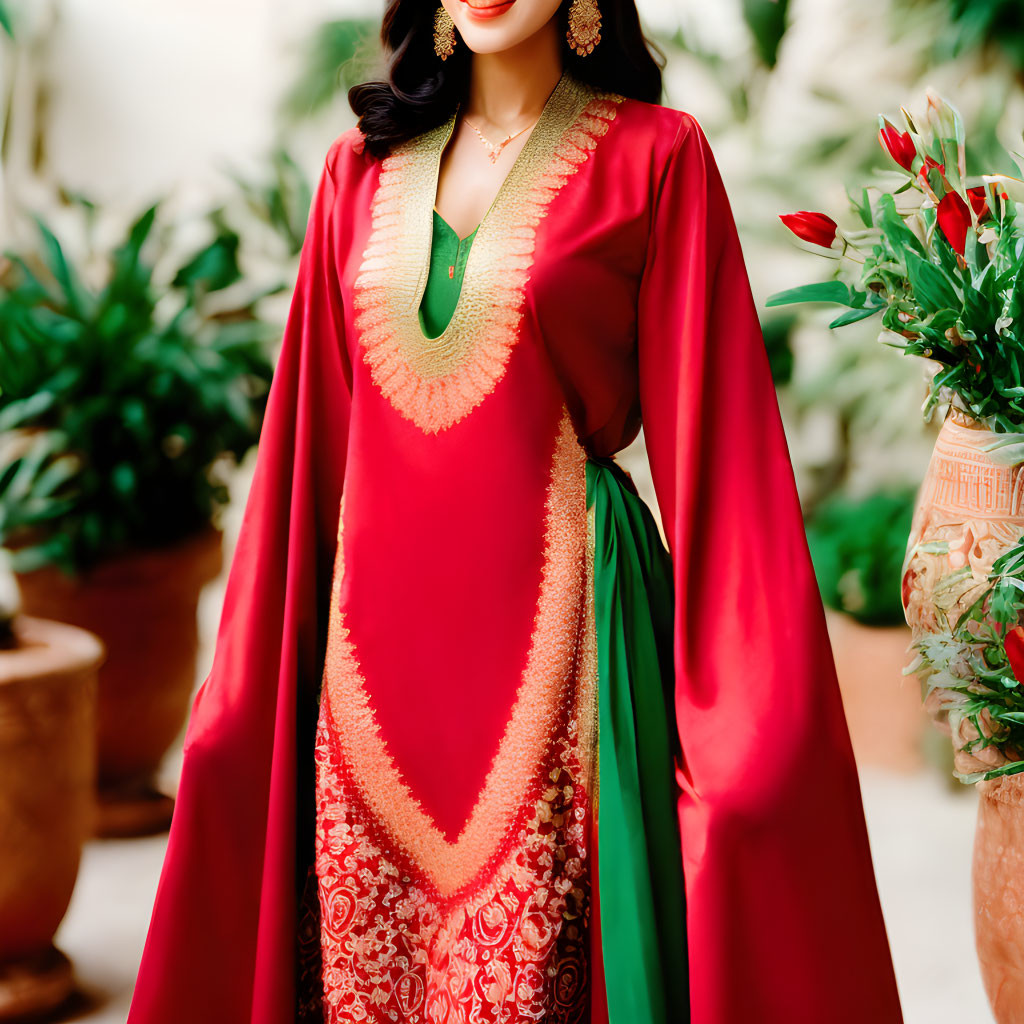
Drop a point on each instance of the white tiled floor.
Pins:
(105, 926)
(922, 832)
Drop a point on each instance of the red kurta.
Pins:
(605, 285)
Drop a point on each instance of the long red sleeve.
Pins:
(784, 921)
(221, 941)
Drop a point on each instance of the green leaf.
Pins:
(862, 205)
(63, 273)
(932, 288)
(1007, 769)
(902, 239)
(821, 291)
(767, 21)
(851, 316)
(1007, 450)
(214, 267)
(126, 258)
(26, 411)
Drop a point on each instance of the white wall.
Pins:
(154, 94)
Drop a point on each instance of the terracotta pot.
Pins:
(883, 707)
(977, 507)
(998, 876)
(48, 686)
(143, 606)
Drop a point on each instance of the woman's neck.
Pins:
(508, 89)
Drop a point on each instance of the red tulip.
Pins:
(1014, 644)
(979, 201)
(816, 228)
(899, 145)
(954, 220)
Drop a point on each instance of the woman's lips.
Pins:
(489, 10)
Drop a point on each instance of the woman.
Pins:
(555, 772)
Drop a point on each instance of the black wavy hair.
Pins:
(419, 91)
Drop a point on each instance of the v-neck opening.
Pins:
(440, 217)
(519, 161)
(451, 251)
(436, 382)
(516, 160)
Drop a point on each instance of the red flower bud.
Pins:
(979, 201)
(899, 145)
(954, 220)
(1014, 644)
(816, 228)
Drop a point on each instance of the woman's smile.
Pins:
(484, 10)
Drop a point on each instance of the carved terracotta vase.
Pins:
(977, 507)
(47, 803)
(143, 606)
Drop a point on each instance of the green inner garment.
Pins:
(447, 250)
(641, 890)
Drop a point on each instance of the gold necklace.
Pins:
(496, 148)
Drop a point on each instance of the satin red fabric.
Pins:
(637, 306)
(221, 943)
(782, 909)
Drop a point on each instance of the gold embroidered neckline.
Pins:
(517, 171)
(435, 382)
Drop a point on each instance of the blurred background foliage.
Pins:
(329, 64)
(118, 402)
(767, 21)
(857, 545)
(978, 24)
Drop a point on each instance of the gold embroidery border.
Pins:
(551, 667)
(435, 382)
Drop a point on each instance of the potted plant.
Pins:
(48, 681)
(857, 546)
(938, 257)
(972, 668)
(122, 405)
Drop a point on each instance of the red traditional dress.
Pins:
(421, 783)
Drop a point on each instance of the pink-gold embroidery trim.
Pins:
(551, 666)
(435, 382)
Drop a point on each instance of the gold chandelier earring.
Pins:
(444, 33)
(584, 31)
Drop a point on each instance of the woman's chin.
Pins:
(489, 26)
